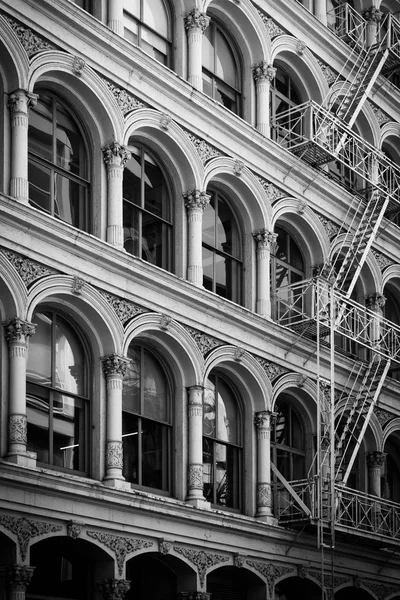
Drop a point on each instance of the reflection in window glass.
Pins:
(287, 269)
(147, 24)
(288, 442)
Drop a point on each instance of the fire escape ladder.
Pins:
(360, 244)
(357, 413)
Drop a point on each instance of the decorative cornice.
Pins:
(202, 560)
(29, 270)
(26, 529)
(125, 100)
(124, 309)
(121, 546)
(205, 150)
(31, 42)
(204, 342)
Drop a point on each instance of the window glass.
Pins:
(287, 268)
(147, 24)
(288, 444)
(58, 163)
(146, 422)
(57, 404)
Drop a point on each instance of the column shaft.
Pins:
(264, 496)
(116, 16)
(263, 76)
(115, 157)
(195, 202)
(195, 23)
(264, 241)
(195, 450)
(320, 11)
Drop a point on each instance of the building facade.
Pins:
(199, 299)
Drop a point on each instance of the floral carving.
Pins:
(74, 529)
(270, 572)
(205, 150)
(17, 429)
(114, 455)
(272, 192)
(272, 370)
(26, 529)
(264, 239)
(201, 560)
(273, 29)
(328, 72)
(383, 416)
(264, 72)
(17, 578)
(114, 154)
(382, 260)
(196, 200)
(78, 65)
(330, 227)
(124, 309)
(381, 116)
(28, 270)
(204, 342)
(121, 546)
(238, 560)
(380, 590)
(195, 477)
(115, 365)
(196, 20)
(126, 101)
(114, 589)
(163, 546)
(31, 42)
(330, 582)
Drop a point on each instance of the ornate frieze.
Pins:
(201, 560)
(272, 370)
(17, 577)
(114, 589)
(74, 529)
(206, 151)
(330, 582)
(121, 546)
(17, 429)
(272, 192)
(26, 529)
(328, 72)
(31, 42)
(270, 572)
(272, 28)
(29, 270)
(382, 260)
(125, 309)
(380, 590)
(196, 20)
(330, 227)
(126, 101)
(205, 342)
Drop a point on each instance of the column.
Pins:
(320, 9)
(264, 241)
(115, 157)
(375, 303)
(17, 334)
(262, 422)
(373, 15)
(116, 16)
(195, 202)
(195, 442)
(375, 462)
(196, 23)
(19, 103)
(114, 368)
(114, 589)
(263, 75)
(17, 579)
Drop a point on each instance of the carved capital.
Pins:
(375, 302)
(114, 365)
(372, 15)
(18, 331)
(264, 72)
(17, 577)
(196, 21)
(21, 101)
(376, 459)
(115, 155)
(262, 420)
(114, 589)
(264, 239)
(195, 200)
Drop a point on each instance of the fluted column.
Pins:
(116, 16)
(264, 241)
(373, 15)
(195, 202)
(320, 10)
(375, 462)
(114, 368)
(262, 422)
(17, 579)
(19, 103)
(196, 23)
(114, 589)
(263, 75)
(115, 157)
(17, 334)
(195, 443)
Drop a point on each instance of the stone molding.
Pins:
(29, 270)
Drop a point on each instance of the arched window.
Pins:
(221, 68)
(222, 443)
(58, 162)
(147, 210)
(283, 96)
(287, 269)
(147, 24)
(146, 421)
(288, 441)
(57, 394)
(222, 249)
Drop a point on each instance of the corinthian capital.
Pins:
(196, 200)
(196, 20)
(115, 154)
(114, 365)
(17, 577)
(17, 330)
(263, 71)
(372, 15)
(264, 239)
(21, 101)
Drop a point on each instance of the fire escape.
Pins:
(322, 309)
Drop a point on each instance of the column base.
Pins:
(24, 459)
(269, 519)
(199, 503)
(119, 484)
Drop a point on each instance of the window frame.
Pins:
(289, 449)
